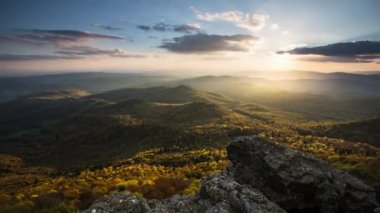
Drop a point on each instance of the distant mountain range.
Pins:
(337, 85)
(11, 87)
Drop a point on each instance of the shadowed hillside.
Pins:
(162, 94)
(366, 131)
(60, 128)
(69, 147)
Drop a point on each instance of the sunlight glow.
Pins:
(280, 62)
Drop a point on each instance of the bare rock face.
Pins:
(296, 181)
(120, 202)
(218, 194)
(263, 178)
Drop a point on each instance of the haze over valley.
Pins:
(189, 106)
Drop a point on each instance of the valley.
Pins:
(64, 147)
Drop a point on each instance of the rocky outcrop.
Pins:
(297, 181)
(263, 177)
(219, 193)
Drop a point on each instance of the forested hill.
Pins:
(366, 131)
(70, 147)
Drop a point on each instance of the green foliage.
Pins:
(79, 149)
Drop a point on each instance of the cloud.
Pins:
(73, 52)
(187, 28)
(232, 15)
(93, 51)
(203, 43)
(12, 57)
(358, 51)
(249, 21)
(66, 44)
(340, 49)
(69, 34)
(143, 27)
(346, 59)
(253, 21)
(55, 37)
(106, 27)
(163, 27)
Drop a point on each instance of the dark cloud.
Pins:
(143, 27)
(163, 27)
(66, 42)
(56, 37)
(73, 52)
(70, 34)
(106, 27)
(346, 59)
(315, 58)
(18, 39)
(203, 43)
(92, 51)
(359, 51)
(187, 28)
(11, 57)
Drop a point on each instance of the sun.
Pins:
(279, 61)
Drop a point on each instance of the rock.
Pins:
(219, 193)
(263, 178)
(120, 202)
(176, 203)
(296, 181)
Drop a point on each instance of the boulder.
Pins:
(124, 202)
(264, 178)
(219, 193)
(297, 181)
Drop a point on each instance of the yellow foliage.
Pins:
(33, 196)
(193, 187)
(20, 196)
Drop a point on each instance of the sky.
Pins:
(200, 36)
